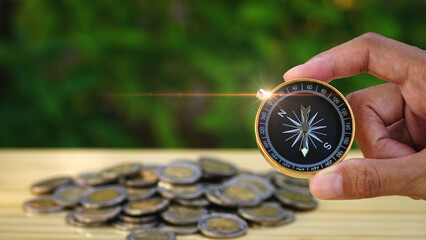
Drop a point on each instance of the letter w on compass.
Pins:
(304, 129)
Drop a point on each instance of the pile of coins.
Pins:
(209, 196)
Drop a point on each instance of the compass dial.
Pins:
(304, 126)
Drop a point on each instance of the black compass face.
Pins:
(305, 126)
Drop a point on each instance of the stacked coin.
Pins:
(209, 196)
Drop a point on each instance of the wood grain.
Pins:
(379, 218)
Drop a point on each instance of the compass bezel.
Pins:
(272, 161)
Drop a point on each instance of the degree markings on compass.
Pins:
(301, 86)
(316, 90)
(287, 89)
(330, 94)
(341, 105)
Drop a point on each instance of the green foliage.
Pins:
(59, 58)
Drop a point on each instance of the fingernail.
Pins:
(291, 71)
(328, 185)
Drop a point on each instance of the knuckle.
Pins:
(365, 182)
(370, 38)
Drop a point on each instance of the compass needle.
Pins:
(296, 123)
(297, 139)
(292, 131)
(315, 136)
(312, 119)
(301, 130)
(316, 128)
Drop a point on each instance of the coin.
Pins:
(92, 179)
(47, 186)
(179, 173)
(239, 194)
(42, 205)
(125, 226)
(265, 188)
(295, 199)
(104, 197)
(196, 202)
(146, 177)
(140, 193)
(146, 206)
(151, 234)
(281, 180)
(138, 219)
(216, 168)
(267, 212)
(70, 195)
(95, 215)
(183, 215)
(179, 229)
(286, 220)
(188, 191)
(71, 220)
(222, 225)
(210, 193)
(121, 170)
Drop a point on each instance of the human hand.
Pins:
(390, 119)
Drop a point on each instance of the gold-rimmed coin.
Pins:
(125, 226)
(282, 180)
(295, 200)
(42, 205)
(179, 229)
(290, 217)
(196, 202)
(179, 173)
(121, 170)
(146, 206)
(69, 196)
(106, 196)
(183, 215)
(47, 186)
(71, 220)
(134, 194)
(187, 191)
(239, 194)
(210, 193)
(92, 179)
(265, 188)
(151, 234)
(267, 212)
(146, 177)
(212, 167)
(138, 219)
(222, 225)
(96, 215)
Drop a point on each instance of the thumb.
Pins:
(365, 178)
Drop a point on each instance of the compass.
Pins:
(303, 126)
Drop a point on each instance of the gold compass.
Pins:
(303, 126)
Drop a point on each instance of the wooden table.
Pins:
(380, 218)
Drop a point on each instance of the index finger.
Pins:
(382, 57)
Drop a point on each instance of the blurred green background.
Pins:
(59, 58)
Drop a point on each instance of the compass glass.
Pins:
(304, 126)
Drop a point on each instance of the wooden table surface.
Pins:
(379, 218)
